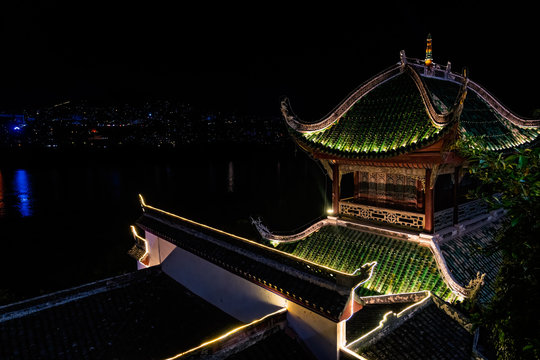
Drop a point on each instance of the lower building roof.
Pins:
(309, 286)
(402, 266)
(471, 254)
(144, 314)
(430, 330)
(281, 345)
(369, 317)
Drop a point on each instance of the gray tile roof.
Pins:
(429, 331)
(470, 254)
(313, 287)
(144, 314)
(281, 345)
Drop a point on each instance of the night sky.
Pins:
(246, 58)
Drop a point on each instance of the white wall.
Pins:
(321, 335)
(165, 249)
(243, 299)
(153, 248)
(236, 296)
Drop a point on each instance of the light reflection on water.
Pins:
(88, 205)
(16, 194)
(23, 192)
(223, 192)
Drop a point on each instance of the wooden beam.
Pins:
(356, 183)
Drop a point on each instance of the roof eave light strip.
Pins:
(144, 205)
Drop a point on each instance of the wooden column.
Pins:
(335, 188)
(429, 204)
(455, 194)
(420, 189)
(356, 183)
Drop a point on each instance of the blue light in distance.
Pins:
(23, 192)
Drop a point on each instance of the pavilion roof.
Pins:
(479, 120)
(402, 111)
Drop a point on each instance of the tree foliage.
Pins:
(513, 315)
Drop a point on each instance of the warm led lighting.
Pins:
(141, 199)
(352, 353)
(355, 272)
(141, 259)
(280, 311)
(330, 211)
(274, 243)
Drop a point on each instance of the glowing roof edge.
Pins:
(355, 273)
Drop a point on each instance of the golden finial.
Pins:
(429, 56)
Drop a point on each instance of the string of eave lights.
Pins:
(356, 272)
(381, 325)
(143, 260)
(227, 334)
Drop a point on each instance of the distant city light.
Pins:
(16, 128)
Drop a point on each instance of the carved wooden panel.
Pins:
(396, 217)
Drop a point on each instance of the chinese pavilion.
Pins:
(375, 280)
(395, 133)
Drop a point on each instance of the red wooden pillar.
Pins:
(335, 188)
(429, 204)
(420, 192)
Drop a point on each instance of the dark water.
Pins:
(64, 220)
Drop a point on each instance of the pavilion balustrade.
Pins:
(395, 217)
(443, 218)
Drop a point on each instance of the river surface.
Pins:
(64, 220)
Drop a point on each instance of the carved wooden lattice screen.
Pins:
(396, 191)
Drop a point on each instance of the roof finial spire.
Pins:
(429, 56)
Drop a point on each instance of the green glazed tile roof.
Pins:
(478, 119)
(402, 266)
(390, 120)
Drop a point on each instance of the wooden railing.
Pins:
(389, 216)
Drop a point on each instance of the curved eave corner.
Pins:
(441, 121)
(303, 127)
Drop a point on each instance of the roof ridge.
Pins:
(392, 321)
(500, 108)
(342, 107)
(345, 277)
(341, 282)
(447, 117)
(64, 296)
